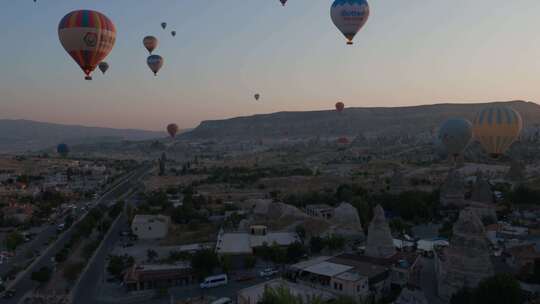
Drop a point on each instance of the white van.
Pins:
(215, 281)
(222, 301)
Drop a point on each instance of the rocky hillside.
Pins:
(26, 135)
(351, 122)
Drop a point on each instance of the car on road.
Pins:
(222, 301)
(8, 294)
(268, 272)
(214, 281)
(61, 227)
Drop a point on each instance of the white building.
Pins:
(150, 226)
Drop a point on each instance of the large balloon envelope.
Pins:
(257, 96)
(63, 150)
(150, 43)
(172, 129)
(455, 134)
(173, 33)
(155, 62)
(163, 25)
(349, 16)
(340, 106)
(88, 36)
(283, 2)
(103, 67)
(497, 127)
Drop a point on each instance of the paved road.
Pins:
(91, 279)
(24, 284)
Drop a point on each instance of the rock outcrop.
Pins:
(516, 173)
(380, 242)
(466, 261)
(481, 190)
(453, 190)
(346, 222)
(411, 295)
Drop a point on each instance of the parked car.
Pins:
(268, 272)
(222, 301)
(215, 281)
(8, 294)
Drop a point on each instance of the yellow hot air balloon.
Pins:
(497, 127)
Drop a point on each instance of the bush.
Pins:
(72, 271)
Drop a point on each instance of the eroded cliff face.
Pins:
(350, 122)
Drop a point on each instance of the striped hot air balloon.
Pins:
(88, 36)
(497, 127)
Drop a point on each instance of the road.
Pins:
(23, 284)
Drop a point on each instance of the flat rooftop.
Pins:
(328, 269)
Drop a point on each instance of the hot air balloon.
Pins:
(343, 141)
(172, 129)
(283, 2)
(173, 33)
(88, 36)
(63, 150)
(150, 43)
(103, 67)
(163, 25)
(349, 16)
(155, 62)
(257, 96)
(340, 106)
(497, 127)
(455, 134)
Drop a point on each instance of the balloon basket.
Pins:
(88, 78)
(349, 43)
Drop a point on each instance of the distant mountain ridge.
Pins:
(25, 135)
(351, 122)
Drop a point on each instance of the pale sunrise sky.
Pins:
(410, 52)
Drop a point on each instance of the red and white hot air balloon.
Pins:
(88, 36)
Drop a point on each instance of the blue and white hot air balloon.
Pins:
(455, 134)
(349, 16)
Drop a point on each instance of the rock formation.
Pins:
(516, 172)
(453, 189)
(466, 261)
(411, 295)
(481, 190)
(380, 242)
(346, 222)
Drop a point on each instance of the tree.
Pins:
(43, 275)
(463, 296)
(499, 289)
(250, 261)
(13, 240)
(151, 255)
(204, 261)
(335, 242)
(72, 271)
(316, 244)
(295, 251)
(226, 263)
(280, 295)
(301, 231)
(117, 264)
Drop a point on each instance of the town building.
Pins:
(321, 211)
(144, 277)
